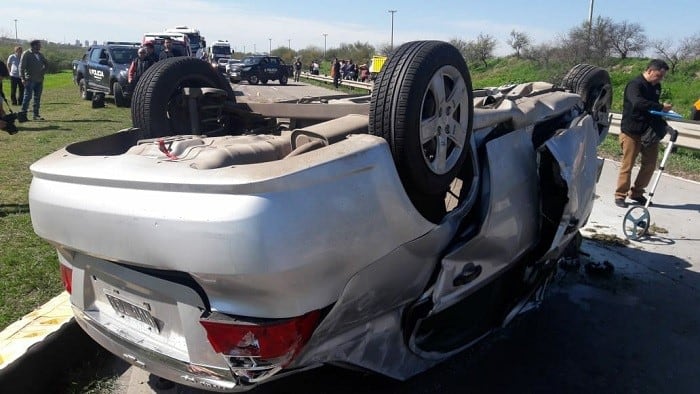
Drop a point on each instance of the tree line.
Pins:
(599, 42)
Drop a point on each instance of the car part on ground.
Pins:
(221, 244)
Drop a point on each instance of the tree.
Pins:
(481, 49)
(385, 49)
(518, 41)
(589, 43)
(627, 38)
(671, 53)
(461, 45)
(691, 46)
(541, 54)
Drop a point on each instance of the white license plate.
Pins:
(126, 308)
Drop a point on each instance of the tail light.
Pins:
(67, 278)
(271, 343)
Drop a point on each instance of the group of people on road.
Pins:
(26, 70)
(344, 69)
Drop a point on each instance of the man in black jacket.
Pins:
(641, 96)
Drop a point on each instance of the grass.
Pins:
(28, 265)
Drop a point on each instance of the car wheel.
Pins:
(253, 80)
(422, 104)
(593, 85)
(119, 98)
(84, 94)
(264, 81)
(283, 80)
(158, 106)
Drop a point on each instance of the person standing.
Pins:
(151, 52)
(32, 68)
(641, 96)
(137, 67)
(16, 86)
(167, 49)
(695, 111)
(335, 72)
(297, 69)
(3, 74)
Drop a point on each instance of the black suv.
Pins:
(260, 68)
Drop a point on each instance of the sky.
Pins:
(258, 25)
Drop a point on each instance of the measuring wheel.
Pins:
(636, 222)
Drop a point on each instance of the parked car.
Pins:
(220, 244)
(221, 64)
(229, 66)
(103, 70)
(261, 68)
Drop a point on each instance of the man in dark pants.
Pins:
(32, 67)
(16, 87)
(641, 96)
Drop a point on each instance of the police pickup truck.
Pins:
(103, 69)
(260, 68)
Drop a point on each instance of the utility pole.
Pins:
(16, 39)
(270, 51)
(289, 43)
(590, 20)
(324, 44)
(392, 12)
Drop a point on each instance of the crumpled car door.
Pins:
(570, 156)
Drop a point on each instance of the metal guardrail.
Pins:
(688, 131)
(345, 82)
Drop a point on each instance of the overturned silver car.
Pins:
(221, 245)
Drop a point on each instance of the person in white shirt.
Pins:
(16, 85)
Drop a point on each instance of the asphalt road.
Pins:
(636, 331)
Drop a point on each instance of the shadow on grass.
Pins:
(25, 129)
(9, 209)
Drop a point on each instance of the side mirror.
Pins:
(104, 62)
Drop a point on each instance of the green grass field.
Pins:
(28, 265)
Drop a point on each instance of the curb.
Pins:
(37, 350)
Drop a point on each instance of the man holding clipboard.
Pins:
(641, 96)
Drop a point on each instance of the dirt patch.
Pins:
(609, 239)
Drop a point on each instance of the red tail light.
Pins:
(283, 339)
(67, 278)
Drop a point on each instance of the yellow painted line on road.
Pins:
(33, 328)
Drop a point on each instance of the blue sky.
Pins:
(301, 23)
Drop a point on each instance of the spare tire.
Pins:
(593, 85)
(158, 107)
(422, 104)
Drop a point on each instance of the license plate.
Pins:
(136, 312)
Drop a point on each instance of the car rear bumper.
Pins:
(199, 376)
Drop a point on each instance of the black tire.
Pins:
(158, 107)
(593, 85)
(284, 79)
(403, 98)
(84, 94)
(253, 79)
(264, 81)
(119, 99)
